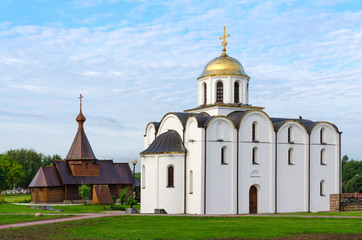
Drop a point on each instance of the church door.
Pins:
(253, 197)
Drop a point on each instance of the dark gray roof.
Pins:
(236, 117)
(168, 142)
(46, 177)
(308, 124)
(183, 116)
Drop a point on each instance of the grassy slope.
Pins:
(17, 197)
(8, 219)
(166, 227)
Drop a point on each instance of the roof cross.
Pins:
(80, 99)
(224, 43)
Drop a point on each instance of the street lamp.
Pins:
(134, 162)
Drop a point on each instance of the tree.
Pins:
(351, 175)
(31, 162)
(84, 191)
(11, 171)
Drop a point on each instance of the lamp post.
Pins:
(134, 162)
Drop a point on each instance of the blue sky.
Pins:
(134, 61)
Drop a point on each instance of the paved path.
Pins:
(80, 216)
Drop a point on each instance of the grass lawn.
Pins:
(8, 219)
(171, 227)
(10, 198)
(342, 213)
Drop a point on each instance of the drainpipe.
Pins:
(237, 171)
(309, 173)
(276, 173)
(205, 172)
(183, 140)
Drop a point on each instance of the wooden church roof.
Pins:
(46, 177)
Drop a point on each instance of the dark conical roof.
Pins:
(168, 142)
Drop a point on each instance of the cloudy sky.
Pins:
(134, 61)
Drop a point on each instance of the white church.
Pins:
(229, 157)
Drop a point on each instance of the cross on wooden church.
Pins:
(224, 43)
(80, 99)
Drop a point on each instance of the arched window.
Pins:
(323, 157)
(223, 155)
(170, 176)
(322, 188)
(255, 156)
(236, 92)
(205, 93)
(291, 156)
(143, 176)
(219, 92)
(191, 183)
(290, 135)
(254, 132)
(323, 136)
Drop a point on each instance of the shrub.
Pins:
(2, 198)
(114, 198)
(130, 198)
(123, 197)
(84, 191)
(118, 207)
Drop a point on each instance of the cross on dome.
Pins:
(224, 43)
(80, 99)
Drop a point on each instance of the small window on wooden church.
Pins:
(323, 157)
(86, 165)
(323, 136)
(254, 132)
(224, 155)
(255, 156)
(170, 176)
(322, 188)
(291, 156)
(236, 93)
(205, 93)
(219, 92)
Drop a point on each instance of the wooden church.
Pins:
(59, 183)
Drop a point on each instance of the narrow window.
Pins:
(291, 156)
(191, 183)
(219, 92)
(323, 136)
(236, 92)
(205, 93)
(143, 177)
(322, 188)
(170, 176)
(223, 155)
(290, 135)
(86, 165)
(254, 132)
(323, 157)
(255, 156)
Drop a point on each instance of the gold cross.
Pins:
(80, 99)
(224, 43)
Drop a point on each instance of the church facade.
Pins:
(229, 157)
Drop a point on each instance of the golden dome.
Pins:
(223, 66)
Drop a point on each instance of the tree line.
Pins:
(19, 166)
(351, 175)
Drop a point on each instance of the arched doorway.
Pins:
(253, 200)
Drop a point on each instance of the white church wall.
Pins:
(172, 199)
(194, 143)
(149, 135)
(328, 172)
(292, 182)
(260, 175)
(170, 122)
(149, 183)
(221, 177)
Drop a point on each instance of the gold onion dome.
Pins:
(223, 66)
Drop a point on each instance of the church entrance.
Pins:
(253, 197)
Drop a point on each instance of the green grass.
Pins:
(13, 208)
(174, 227)
(342, 213)
(11, 198)
(8, 219)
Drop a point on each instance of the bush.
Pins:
(118, 207)
(114, 199)
(123, 197)
(130, 198)
(84, 191)
(2, 198)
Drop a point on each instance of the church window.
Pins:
(170, 176)
(236, 93)
(291, 156)
(323, 136)
(255, 156)
(219, 92)
(290, 135)
(254, 132)
(143, 177)
(205, 93)
(323, 157)
(223, 155)
(86, 165)
(322, 188)
(191, 183)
